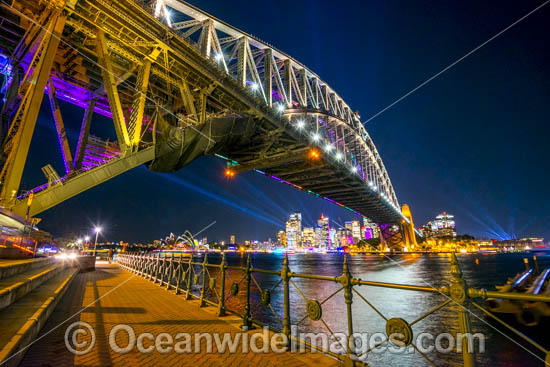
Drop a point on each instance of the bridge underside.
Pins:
(239, 137)
(174, 94)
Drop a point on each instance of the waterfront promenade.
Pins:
(124, 298)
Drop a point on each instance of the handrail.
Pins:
(173, 272)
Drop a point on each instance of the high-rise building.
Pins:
(427, 231)
(333, 235)
(281, 239)
(444, 225)
(339, 237)
(308, 237)
(344, 237)
(371, 229)
(322, 232)
(354, 227)
(232, 239)
(294, 230)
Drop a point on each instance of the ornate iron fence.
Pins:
(212, 284)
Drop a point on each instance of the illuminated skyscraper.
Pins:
(294, 230)
(444, 225)
(308, 237)
(371, 229)
(323, 232)
(354, 227)
(232, 239)
(281, 239)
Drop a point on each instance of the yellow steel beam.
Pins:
(202, 116)
(48, 198)
(136, 118)
(60, 128)
(188, 100)
(25, 118)
(109, 81)
(84, 133)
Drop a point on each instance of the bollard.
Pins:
(203, 290)
(459, 294)
(285, 276)
(537, 270)
(221, 301)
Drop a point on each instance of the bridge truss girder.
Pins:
(134, 68)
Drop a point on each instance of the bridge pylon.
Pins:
(407, 228)
(399, 237)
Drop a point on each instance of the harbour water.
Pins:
(479, 270)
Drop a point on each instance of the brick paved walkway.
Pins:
(128, 299)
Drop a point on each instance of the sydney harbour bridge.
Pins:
(177, 83)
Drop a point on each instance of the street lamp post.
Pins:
(97, 230)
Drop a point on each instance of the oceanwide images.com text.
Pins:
(80, 339)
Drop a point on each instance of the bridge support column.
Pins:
(138, 107)
(268, 75)
(241, 61)
(84, 133)
(17, 143)
(407, 228)
(60, 128)
(112, 92)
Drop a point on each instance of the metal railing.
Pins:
(209, 284)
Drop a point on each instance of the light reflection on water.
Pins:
(422, 270)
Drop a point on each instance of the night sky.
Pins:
(473, 142)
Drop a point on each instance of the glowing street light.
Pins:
(219, 56)
(254, 86)
(316, 137)
(339, 156)
(300, 124)
(280, 108)
(328, 147)
(314, 154)
(96, 230)
(354, 169)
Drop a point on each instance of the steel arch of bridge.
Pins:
(282, 81)
(140, 61)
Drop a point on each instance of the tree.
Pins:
(70, 240)
(370, 244)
